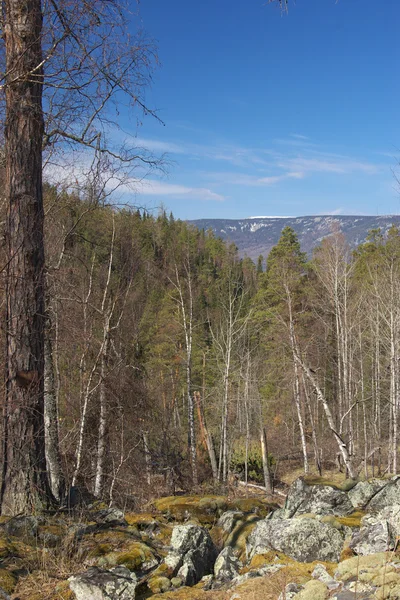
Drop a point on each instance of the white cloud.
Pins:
(159, 188)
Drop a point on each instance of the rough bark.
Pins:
(24, 485)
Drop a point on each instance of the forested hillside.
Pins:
(171, 362)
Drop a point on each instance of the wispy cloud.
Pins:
(159, 188)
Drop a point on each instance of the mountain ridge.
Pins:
(257, 235)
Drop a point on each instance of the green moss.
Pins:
(183, 593)
(254, 505)
(344, 485)
(313, 590)
(353, 520)
(135, 557)
(8, 581)
(158, 584)
(206, 509)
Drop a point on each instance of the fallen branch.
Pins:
(260, 487)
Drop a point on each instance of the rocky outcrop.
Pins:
(362, 493)
(192, 553)
(97, 584)
(304, 498)
(386, 496)
(227, 566)
(378, 533)
(305, 540)
(214, 543)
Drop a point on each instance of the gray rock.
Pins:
(304, 539)
(110, 517)
(192, 553)
(373, 536)
(378, 533)
(322, 574)
(23, 527)
(386, 497)
(187, 573)
(226, 566)
(362, 493)
(228, 520)
(317, 499)
(97, 584)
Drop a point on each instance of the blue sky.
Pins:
(273, 115)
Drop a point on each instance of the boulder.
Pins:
(321, 500)
(228, 520)
(385, 497)
(23, 527)
(226, 566)
(322, 574)
(373, 536)
(378, 533)
(110, 517)
(98, 584)
(313, 590)
(305, 540)
(192, 553)
(362, 493)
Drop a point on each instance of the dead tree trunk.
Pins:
(53, 457)
(24, 484)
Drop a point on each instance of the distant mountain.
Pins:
(257, 235)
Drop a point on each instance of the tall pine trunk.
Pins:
(24, 484)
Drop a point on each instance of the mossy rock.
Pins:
(343, 486)
(104, 542)
(137, 558)
(184, 593)
(253, 505)
(313, 590)
(353, 520)
(51, 535)
(206, 509)
(159, 584)
(8, 581)
(143, 520)
(262, 560)
(237, 538)
(163, 570)
(5, 547)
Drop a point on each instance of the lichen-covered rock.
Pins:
(109, 517)
(305, 540)
(206, 509)
(373, 536)
(228, 520)
(322, 574)
(363, 491)
(97, 584)
(159, 584)
(385, 497)
(262, 572)
(313, 590)
(227, 565)
(378, 533)
(192, 553)
(135, 557)
(317, 499)
(24, 527)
